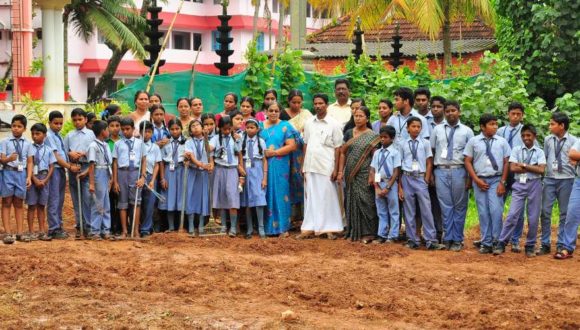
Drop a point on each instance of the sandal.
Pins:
(8, 239)
(564, 254)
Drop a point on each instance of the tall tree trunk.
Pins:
(108, 75)
(447, 37)
(281, 36)
(256, 16)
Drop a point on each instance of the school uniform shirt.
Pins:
(322, 137)
(159, 133)
(252, 144)
(513, 135)
(445, 137)
(56, 143)
(340, 113)
(153, 155)
(476, 149)
(430, 120)
(399, 122)
(385, 161)
(123, 150)
(197, 147)
(43, 156)
(554, 148)
(531, 156)
(79, 141)
(100, 154)
(20, 146)
(173, 151)
(220, 154)
(415, 150)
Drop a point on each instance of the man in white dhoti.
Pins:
(322, 141)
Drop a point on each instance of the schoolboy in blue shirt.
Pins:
(527, 162)
(559, 178)
(512, 133)
(57, 183)
(404, 104)
(567, 241)
(128, 154)
(486, 161)
(37, 195)
(153, 154)
(100, 160)
(17, 158)
(385, 170)
(76, 144)
(451, 180)
(417, 163)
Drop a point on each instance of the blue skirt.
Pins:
(225, 188)
(174, 189)
(253, 194)
(197, 192)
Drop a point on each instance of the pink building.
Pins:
(194, 28)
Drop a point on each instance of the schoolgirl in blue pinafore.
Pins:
(227, 157)
(172, 174)
(196, 149)
(254, 192)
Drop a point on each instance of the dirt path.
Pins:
(177, 282)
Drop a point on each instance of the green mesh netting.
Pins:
(210, 88)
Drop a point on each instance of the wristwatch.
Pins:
(503, 182)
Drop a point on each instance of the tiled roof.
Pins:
(460, 30)
(409, 48)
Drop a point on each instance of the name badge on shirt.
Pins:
(35, 170)
(523, 178)
(248, 163)
(132, 156)
(171, 166)
(444, 153)
(377, 177)
(488, 162)
(555, 165)
(224, 156)
(20, 167)
(415, 166)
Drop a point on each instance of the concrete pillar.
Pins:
(52, 55)
(298, 24)
(21, 17)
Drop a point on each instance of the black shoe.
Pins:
(456, 247)
(499, 249)
(435, 246)
(477, 244)
(530, 251)
(448, 245)
(544, 249)
(485, 250)
(59, 235)
(516, 248)
(379, 240)
(411, 245)
(248, 236)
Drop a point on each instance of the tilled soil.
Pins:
(173, 281)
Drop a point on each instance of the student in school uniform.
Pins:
(76, 143)
(127, 179)
(567, 242)
(404, 105)
(256, 166)
(527, 162)
(57, 183)
(100, 160)
(114, 127)
(171, 174)
(153, 154)
(512, 133)
(448, 142)
(229, 174)
(559, 178)
(17, 158)
(417, 163)
(201, 165)
(486, 162)
(385, 170)
(37, 195)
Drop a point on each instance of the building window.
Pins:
(217, 2)
(91, 83)
(275, 6)
(196, 41)
(308, 10)
(260, 42)
(182, 40)
(214, 42)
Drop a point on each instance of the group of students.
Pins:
(425, 164)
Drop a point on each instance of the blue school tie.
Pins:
(61, 145)
(450, 143)
(558, 152)
(174, 149)
(229, 151)
(130, 147)
(250, 153)
(37, 154)
(198, 149)
(489, 154)
(511, 137)
(383, 161)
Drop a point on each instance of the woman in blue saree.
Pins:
(280, 143)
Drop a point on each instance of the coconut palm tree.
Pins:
(431, 16)
(117, 22)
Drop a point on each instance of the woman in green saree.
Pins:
(355, 160)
